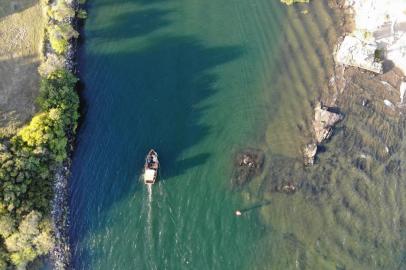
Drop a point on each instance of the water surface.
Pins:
(199, 81)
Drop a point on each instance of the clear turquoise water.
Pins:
(182, 77)
(199, 81)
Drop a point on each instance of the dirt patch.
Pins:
(21, 32)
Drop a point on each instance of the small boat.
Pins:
(151, 167)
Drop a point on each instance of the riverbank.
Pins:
(35, 157)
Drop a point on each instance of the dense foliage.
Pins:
(29, 157)
(59, 27)
(27, 163)
(59, 36)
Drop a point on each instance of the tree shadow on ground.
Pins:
(18, 90)
(9, 7)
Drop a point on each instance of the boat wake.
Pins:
(149, 243)
(149, 188)
(149, 214)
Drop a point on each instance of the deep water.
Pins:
(199, 81)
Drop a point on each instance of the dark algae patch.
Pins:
(248, 164)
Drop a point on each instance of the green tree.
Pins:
(59, 36)
(61, 11)
(7, 225)
(32, 240)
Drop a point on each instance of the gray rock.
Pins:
(324, 122)
(357, 52)
(309, 153)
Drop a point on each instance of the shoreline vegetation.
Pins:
(31, 157)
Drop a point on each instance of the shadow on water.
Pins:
(154, 97)
(133, 22)
(255, 206)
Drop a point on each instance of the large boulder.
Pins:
(357, 52)
(309, 153)
(324, 121)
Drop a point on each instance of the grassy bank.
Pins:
(30, 156)
(21, 28)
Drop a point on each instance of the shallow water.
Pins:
(199, 81)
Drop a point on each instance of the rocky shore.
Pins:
(61, 254)
(378, 40)
(373, 50)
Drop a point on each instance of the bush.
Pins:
(61, 11)
(32, 239)
(7, 225)
(379, 55)
(82, 14)
(57, 91)
(52, 63)
(59, 36)
(26, 169)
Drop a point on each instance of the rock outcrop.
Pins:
(323, 123)
(309, 153)
(357, 52)
(379, 24)
(248, 164)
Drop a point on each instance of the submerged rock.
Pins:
(248, 164)
(309, 153)
(289, 188)
(324, 122)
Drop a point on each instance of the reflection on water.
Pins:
(349, 212)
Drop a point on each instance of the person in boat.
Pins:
(151, 160)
